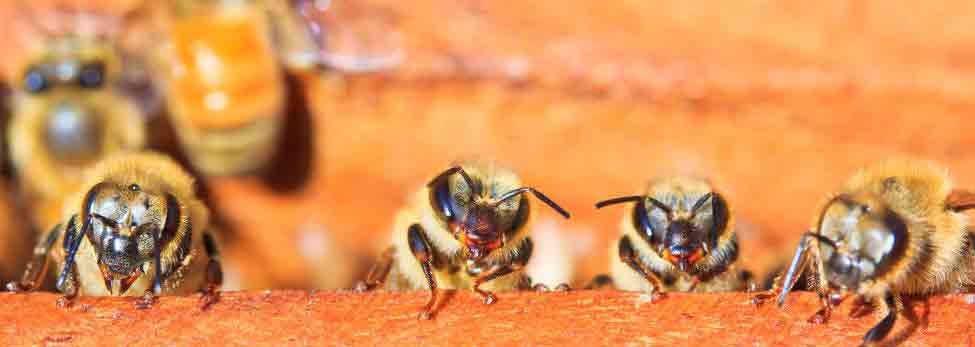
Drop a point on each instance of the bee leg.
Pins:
(378, 273)
(959, 200)
(821, 316)
(762, 297)
(36, 269)
(879, 331)
(541, 287)
(214, 273)
(67, 281)
(600, 282)
(783, 283)
(628, 256)
(420, 247)
(861, 306)
(562, 287)
(517, 263)
(145, 301)
(149, 297)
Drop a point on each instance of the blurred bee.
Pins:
(679, 236)
(68, 111)
(468, 228)
(225, 87)
(894, 229)
(138, 230)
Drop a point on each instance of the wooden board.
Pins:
(583, 318)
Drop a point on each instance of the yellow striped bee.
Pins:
(137, 230)
(225, 71)
(895, 229)
(678, 236)
(468, 228)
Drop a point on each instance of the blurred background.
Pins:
(776, 102)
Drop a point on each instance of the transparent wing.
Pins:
(345, 36)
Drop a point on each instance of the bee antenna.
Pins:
(475, 189)
(700, 203)
(661, 206)
(619, 200)
(538, 195)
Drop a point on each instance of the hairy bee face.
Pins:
(477, 217)
(860, 239)
(128, 226)
(681, 228)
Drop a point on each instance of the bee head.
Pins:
(682, 235)
(481, 220)
(72, 122)
(127, 227)
(859, 238)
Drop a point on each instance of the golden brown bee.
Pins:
(137, 230)
(678, 236)
(894, 229)
(468, 228)
(225, 87)
(68, 112)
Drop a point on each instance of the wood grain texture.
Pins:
(582, 318)
(775, 101)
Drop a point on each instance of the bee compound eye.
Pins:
(92, 75)
(35, 81)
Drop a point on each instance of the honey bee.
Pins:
(679, 236)
(225, 86)
(468, 228)
(895, 229)
(68, 112)
(139, 230)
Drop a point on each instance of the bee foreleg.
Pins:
(628, 256)
(37, 267)
(826, 309)
(517, 263)
(822, 286)
(879, 331)
(782, 284)
(600, 282)
(67, 281)
(420, 247)
(214, 273)
(379, 271)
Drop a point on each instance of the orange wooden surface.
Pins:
(584, 318)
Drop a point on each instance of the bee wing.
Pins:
(343, 36)
(960, 200)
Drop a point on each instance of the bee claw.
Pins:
(65, 302)
(361, 287)
(761, 298)
(821, 317)
(15, 287)
(146, 301)
(490, 299)
(657, 296)
(563, 287)
(541, 288)
(208, 298)
(425, 315)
